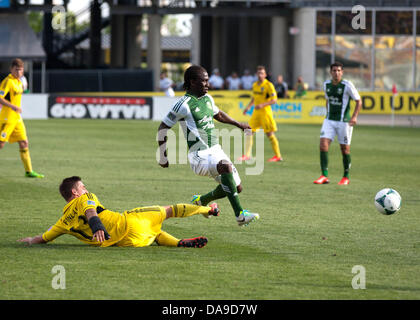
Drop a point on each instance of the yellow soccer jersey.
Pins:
(11, 89)
(75, 223)
(263, 92)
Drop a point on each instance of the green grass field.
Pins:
(304, 246)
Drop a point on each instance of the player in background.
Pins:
(195, 111)
(85, 218)
(12, 128)
(338, 122)
(264, 95)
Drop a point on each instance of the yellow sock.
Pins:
(26, 159)
(165, 239)
(275, 145)
(248, 144)
(183, 210)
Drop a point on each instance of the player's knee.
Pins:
(1, 144)
(224, 167)
(239, 188)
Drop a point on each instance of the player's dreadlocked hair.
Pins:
(67, 185)
(191, 74)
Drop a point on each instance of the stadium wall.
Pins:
(154, 106)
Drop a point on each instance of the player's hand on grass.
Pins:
(27, 240)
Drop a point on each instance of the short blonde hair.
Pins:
(17, 63)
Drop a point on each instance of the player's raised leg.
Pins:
(243, 217)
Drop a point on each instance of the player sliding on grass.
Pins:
(338, 93)
(196, 110)
(85, 218)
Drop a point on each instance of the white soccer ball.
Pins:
(388, 201)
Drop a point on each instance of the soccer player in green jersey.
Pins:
(338, 122)
(196, 111)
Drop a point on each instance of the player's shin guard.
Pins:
(183, 210)
(165, 239)
(346, 164)
(324, 162)
(26, 159)
(229, 186)
(275, 145)
(217, 193)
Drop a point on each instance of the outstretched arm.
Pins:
(224, 118)
(33, 240)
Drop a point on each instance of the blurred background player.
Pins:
(12, 128)
(196, 110)
(233, 82)
(264, 95)
(301, 88)
(216, 81)
(247, 80)
(281, 88)
(85, 218)
(166, 85)
(338, 122)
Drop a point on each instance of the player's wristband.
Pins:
(96, 224)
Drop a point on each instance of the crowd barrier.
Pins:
(155, 105)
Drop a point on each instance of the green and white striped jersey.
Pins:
(196, 118)
(338, 99)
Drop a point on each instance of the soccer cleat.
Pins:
(33, 174)
(244, 158)
(275, 159)
(196, 199)
(344, 181)
(198, 242)
(246, 217)
(322, 180)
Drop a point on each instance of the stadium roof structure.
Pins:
(18, 40)
(167, 42)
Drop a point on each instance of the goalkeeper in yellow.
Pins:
(85, 218)
(12, 128)
(264, 95)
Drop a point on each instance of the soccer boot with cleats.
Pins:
(344, 181)
(244, 158)
(198, 242)
(322, 180)
(246, 217)
(275, 159)
(196, 199)
(33, 174)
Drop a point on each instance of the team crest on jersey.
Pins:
(3, 134)
(1, 93)
(91, 203)
(208, 105)
(340, 90)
